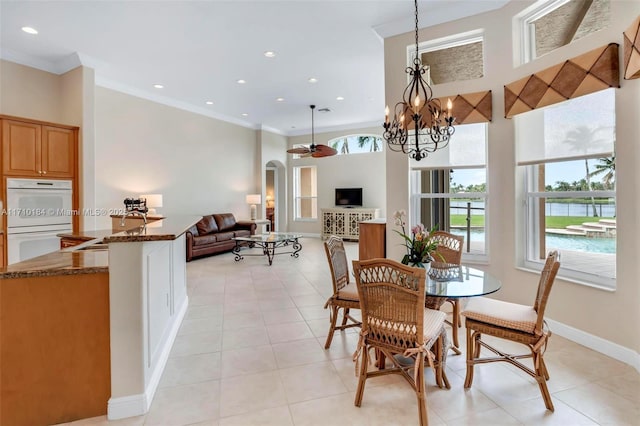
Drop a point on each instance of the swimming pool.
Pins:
(562, 242)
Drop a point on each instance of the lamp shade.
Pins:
(254, 199)
(153, 200)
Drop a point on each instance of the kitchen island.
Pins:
(87, 332)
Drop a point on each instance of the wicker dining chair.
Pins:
(396, 323)
(449, 251)
(517, 323)
(345, 293)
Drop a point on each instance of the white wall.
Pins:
(201, 165)
(273, 149)
(613, 316)
(365, 170)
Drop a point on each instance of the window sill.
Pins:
(304, 220)
(572, 280)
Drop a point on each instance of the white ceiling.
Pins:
(198, 49)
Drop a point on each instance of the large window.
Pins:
(454, 58)
(566, 161)
(548, 25)
(355, 144)
(305, 190)
(451, 191)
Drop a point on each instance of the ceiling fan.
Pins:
(313, 150)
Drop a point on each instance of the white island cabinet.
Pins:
(147, 301)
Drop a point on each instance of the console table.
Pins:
(345, 222)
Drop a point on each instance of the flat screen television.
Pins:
(348, 197)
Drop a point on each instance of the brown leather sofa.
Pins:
(214, 233)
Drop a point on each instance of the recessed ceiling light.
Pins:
(280, 99)
(29, 30)
(313, 80)
(244, 114)
(209, 103)
(241, 81)
(339, 98)
(270, 54)
(158, 86)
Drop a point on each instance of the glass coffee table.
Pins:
(269, 243)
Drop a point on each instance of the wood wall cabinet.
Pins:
(31, 149)
(345, 222)
(270, 211)
(373, 239)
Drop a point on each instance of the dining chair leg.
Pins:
(455, 323)
(468, 380)
(476, 345)
(441, 352)
(542, 382)
(333, 316)
(420, 390)
(545, 372)
(345, 316)
(363, 376)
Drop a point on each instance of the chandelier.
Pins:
(419, 124)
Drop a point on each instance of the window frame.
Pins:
(414, 202)
(415, 198)
(529, 233)
(297, 197)
(442, 43)
(531, 226)
(356, 135)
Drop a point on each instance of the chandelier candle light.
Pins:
(419, 124)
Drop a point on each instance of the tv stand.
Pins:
(344, 222)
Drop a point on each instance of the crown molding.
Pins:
(344, 127)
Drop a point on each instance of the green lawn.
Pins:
(459, 220)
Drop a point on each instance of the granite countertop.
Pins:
(169, 228)
(59, 263)
(74, 260)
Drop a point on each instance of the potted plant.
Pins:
(420, 246)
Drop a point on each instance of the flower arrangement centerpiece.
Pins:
(420, 246)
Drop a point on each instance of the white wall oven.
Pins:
(37, 211)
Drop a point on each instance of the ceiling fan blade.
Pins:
(301, 150)
(324, 151)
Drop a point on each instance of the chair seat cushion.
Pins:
(502, 314)
(433, 322)
(349, 292)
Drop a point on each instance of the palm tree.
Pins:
(343, 143)
(606, 166)
(580, 137)
(371, 140)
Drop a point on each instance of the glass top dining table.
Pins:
(448, 281)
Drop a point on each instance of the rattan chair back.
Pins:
(449, 248)
(392, 297)
(337, 258)
(547, 278)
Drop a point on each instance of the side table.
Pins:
(261, 222)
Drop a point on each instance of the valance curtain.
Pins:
(593, 71)
(631, 50)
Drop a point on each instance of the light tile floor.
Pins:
(250, 352)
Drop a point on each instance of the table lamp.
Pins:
(153, 201)
(254, 199)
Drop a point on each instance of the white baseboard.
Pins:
(598, 344)
(138, 405)
(126, 406)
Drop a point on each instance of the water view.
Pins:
(562, 242)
